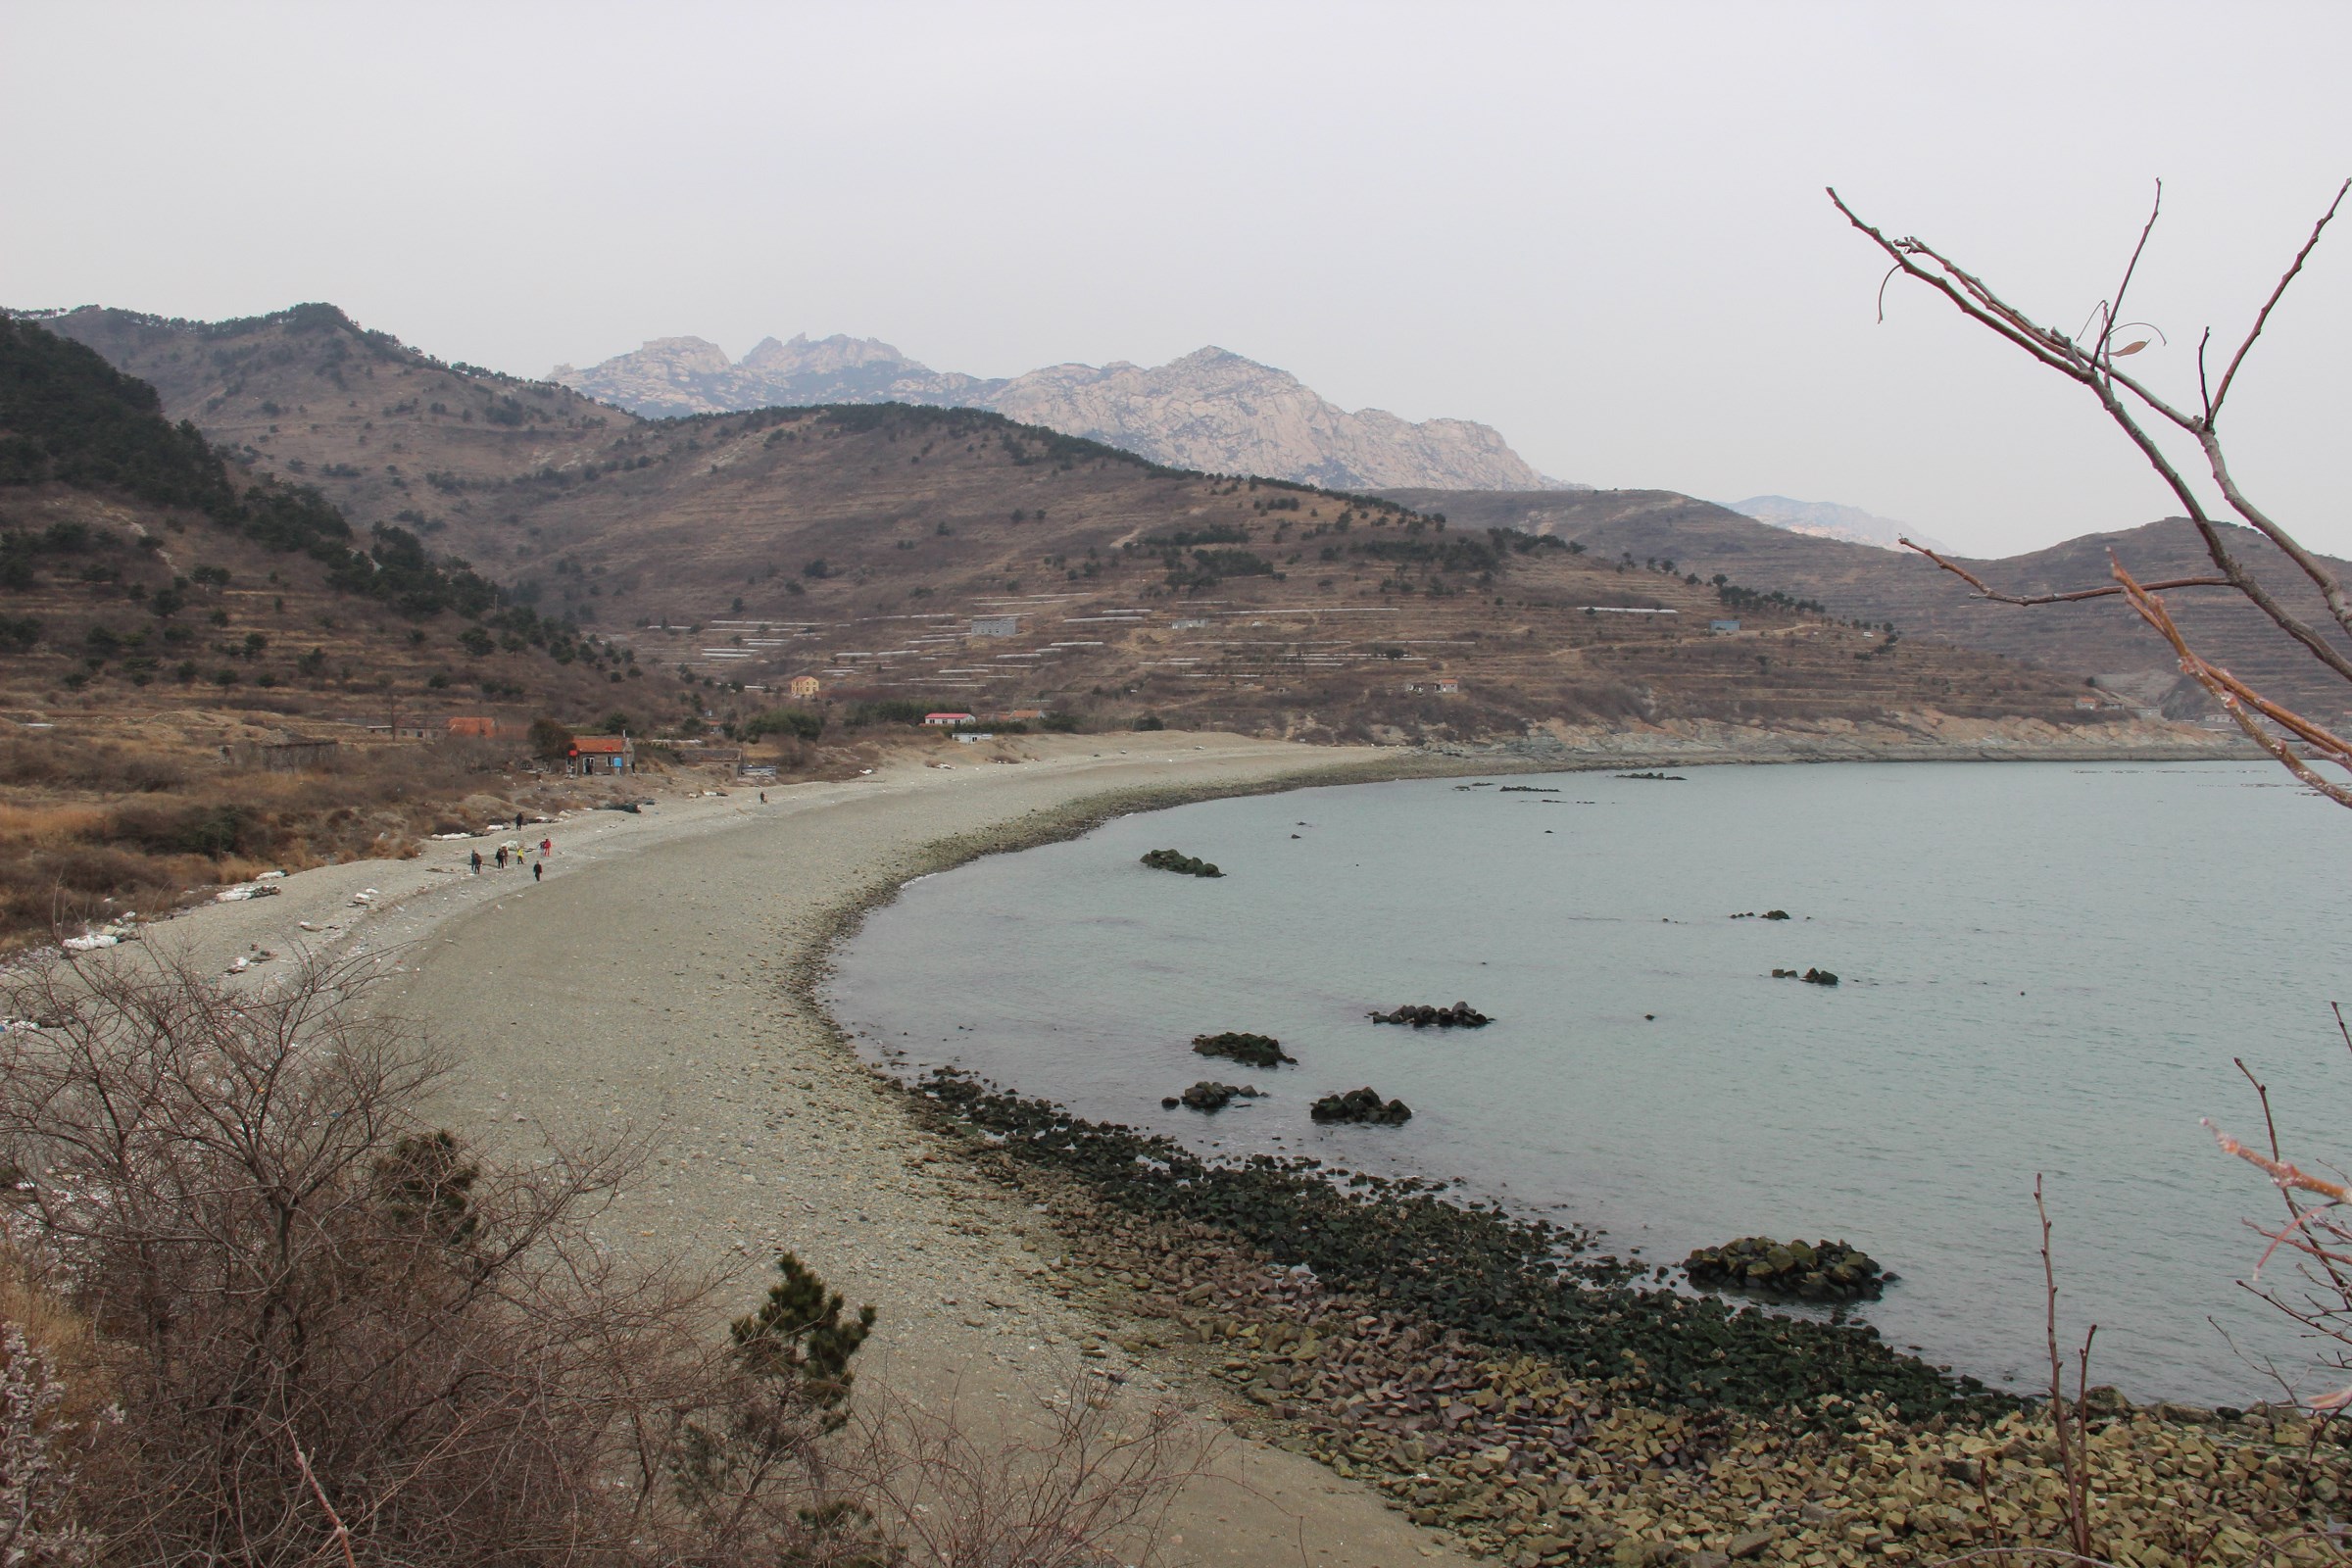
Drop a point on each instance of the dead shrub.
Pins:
(333, 1330)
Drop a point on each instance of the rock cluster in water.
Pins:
(1768, 914)
(1663, 778)
(1816, 1271)
(1461, 1015)
(1178, 861)
(1811, 977)
(1364, 1106)
(1206, 1096)
(1251, 1050)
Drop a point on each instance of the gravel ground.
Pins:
(656, 984)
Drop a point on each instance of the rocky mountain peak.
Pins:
(804, 356)
(1212, 410)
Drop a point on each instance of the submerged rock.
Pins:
(1251, 1050)
(1363, 1105)
(1818, 1271)
(1663, 778)
(1461, 1015)
(1178, 861)
(1206, 1096)
(1811, 977)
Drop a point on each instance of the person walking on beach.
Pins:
(518, 822)
(478, 863)
(502, 857)
(547, 845)
(538, 868)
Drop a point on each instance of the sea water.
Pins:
(2043, 969)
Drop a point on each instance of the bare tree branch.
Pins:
(2117, 392)
(2073, 596)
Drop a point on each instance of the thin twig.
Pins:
(342, 1533)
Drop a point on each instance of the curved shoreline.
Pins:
(683, 987)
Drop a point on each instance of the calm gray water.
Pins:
(2046, 969)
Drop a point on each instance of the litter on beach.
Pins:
(91, 943)
(246, 890)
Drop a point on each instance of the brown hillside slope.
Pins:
(2099, 638)
(858, 544)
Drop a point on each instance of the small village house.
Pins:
(802, 688)
(995, 625)
(602, 753)
(1723, 626)
(948, 718)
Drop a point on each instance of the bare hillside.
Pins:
(2099, 638)
(956, 555)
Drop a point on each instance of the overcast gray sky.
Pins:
(1597, 228)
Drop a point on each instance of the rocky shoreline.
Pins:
(1593, 1437)
(1334, 1312)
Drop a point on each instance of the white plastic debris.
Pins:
(246, 890)
(91, 943)
(270, 876)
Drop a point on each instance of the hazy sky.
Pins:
(1597, 228)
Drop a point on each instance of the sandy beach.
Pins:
(658, 983)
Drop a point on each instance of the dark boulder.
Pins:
(1178, 861)
(1461, 1015)
(1811, 977)
(1206, 1096)
(1251, 1050)
(1816, 1271)
(1363, 1105)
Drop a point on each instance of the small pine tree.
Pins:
(798, 1335)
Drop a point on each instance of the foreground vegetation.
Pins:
(259, 1309)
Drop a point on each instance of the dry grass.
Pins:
(143, 817)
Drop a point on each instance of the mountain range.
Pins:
(929, 555)
(1212, 411)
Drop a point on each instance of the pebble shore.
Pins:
(663, 981)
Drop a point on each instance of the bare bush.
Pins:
(334, 1332)
(1091, 1473)
(238, 1190)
